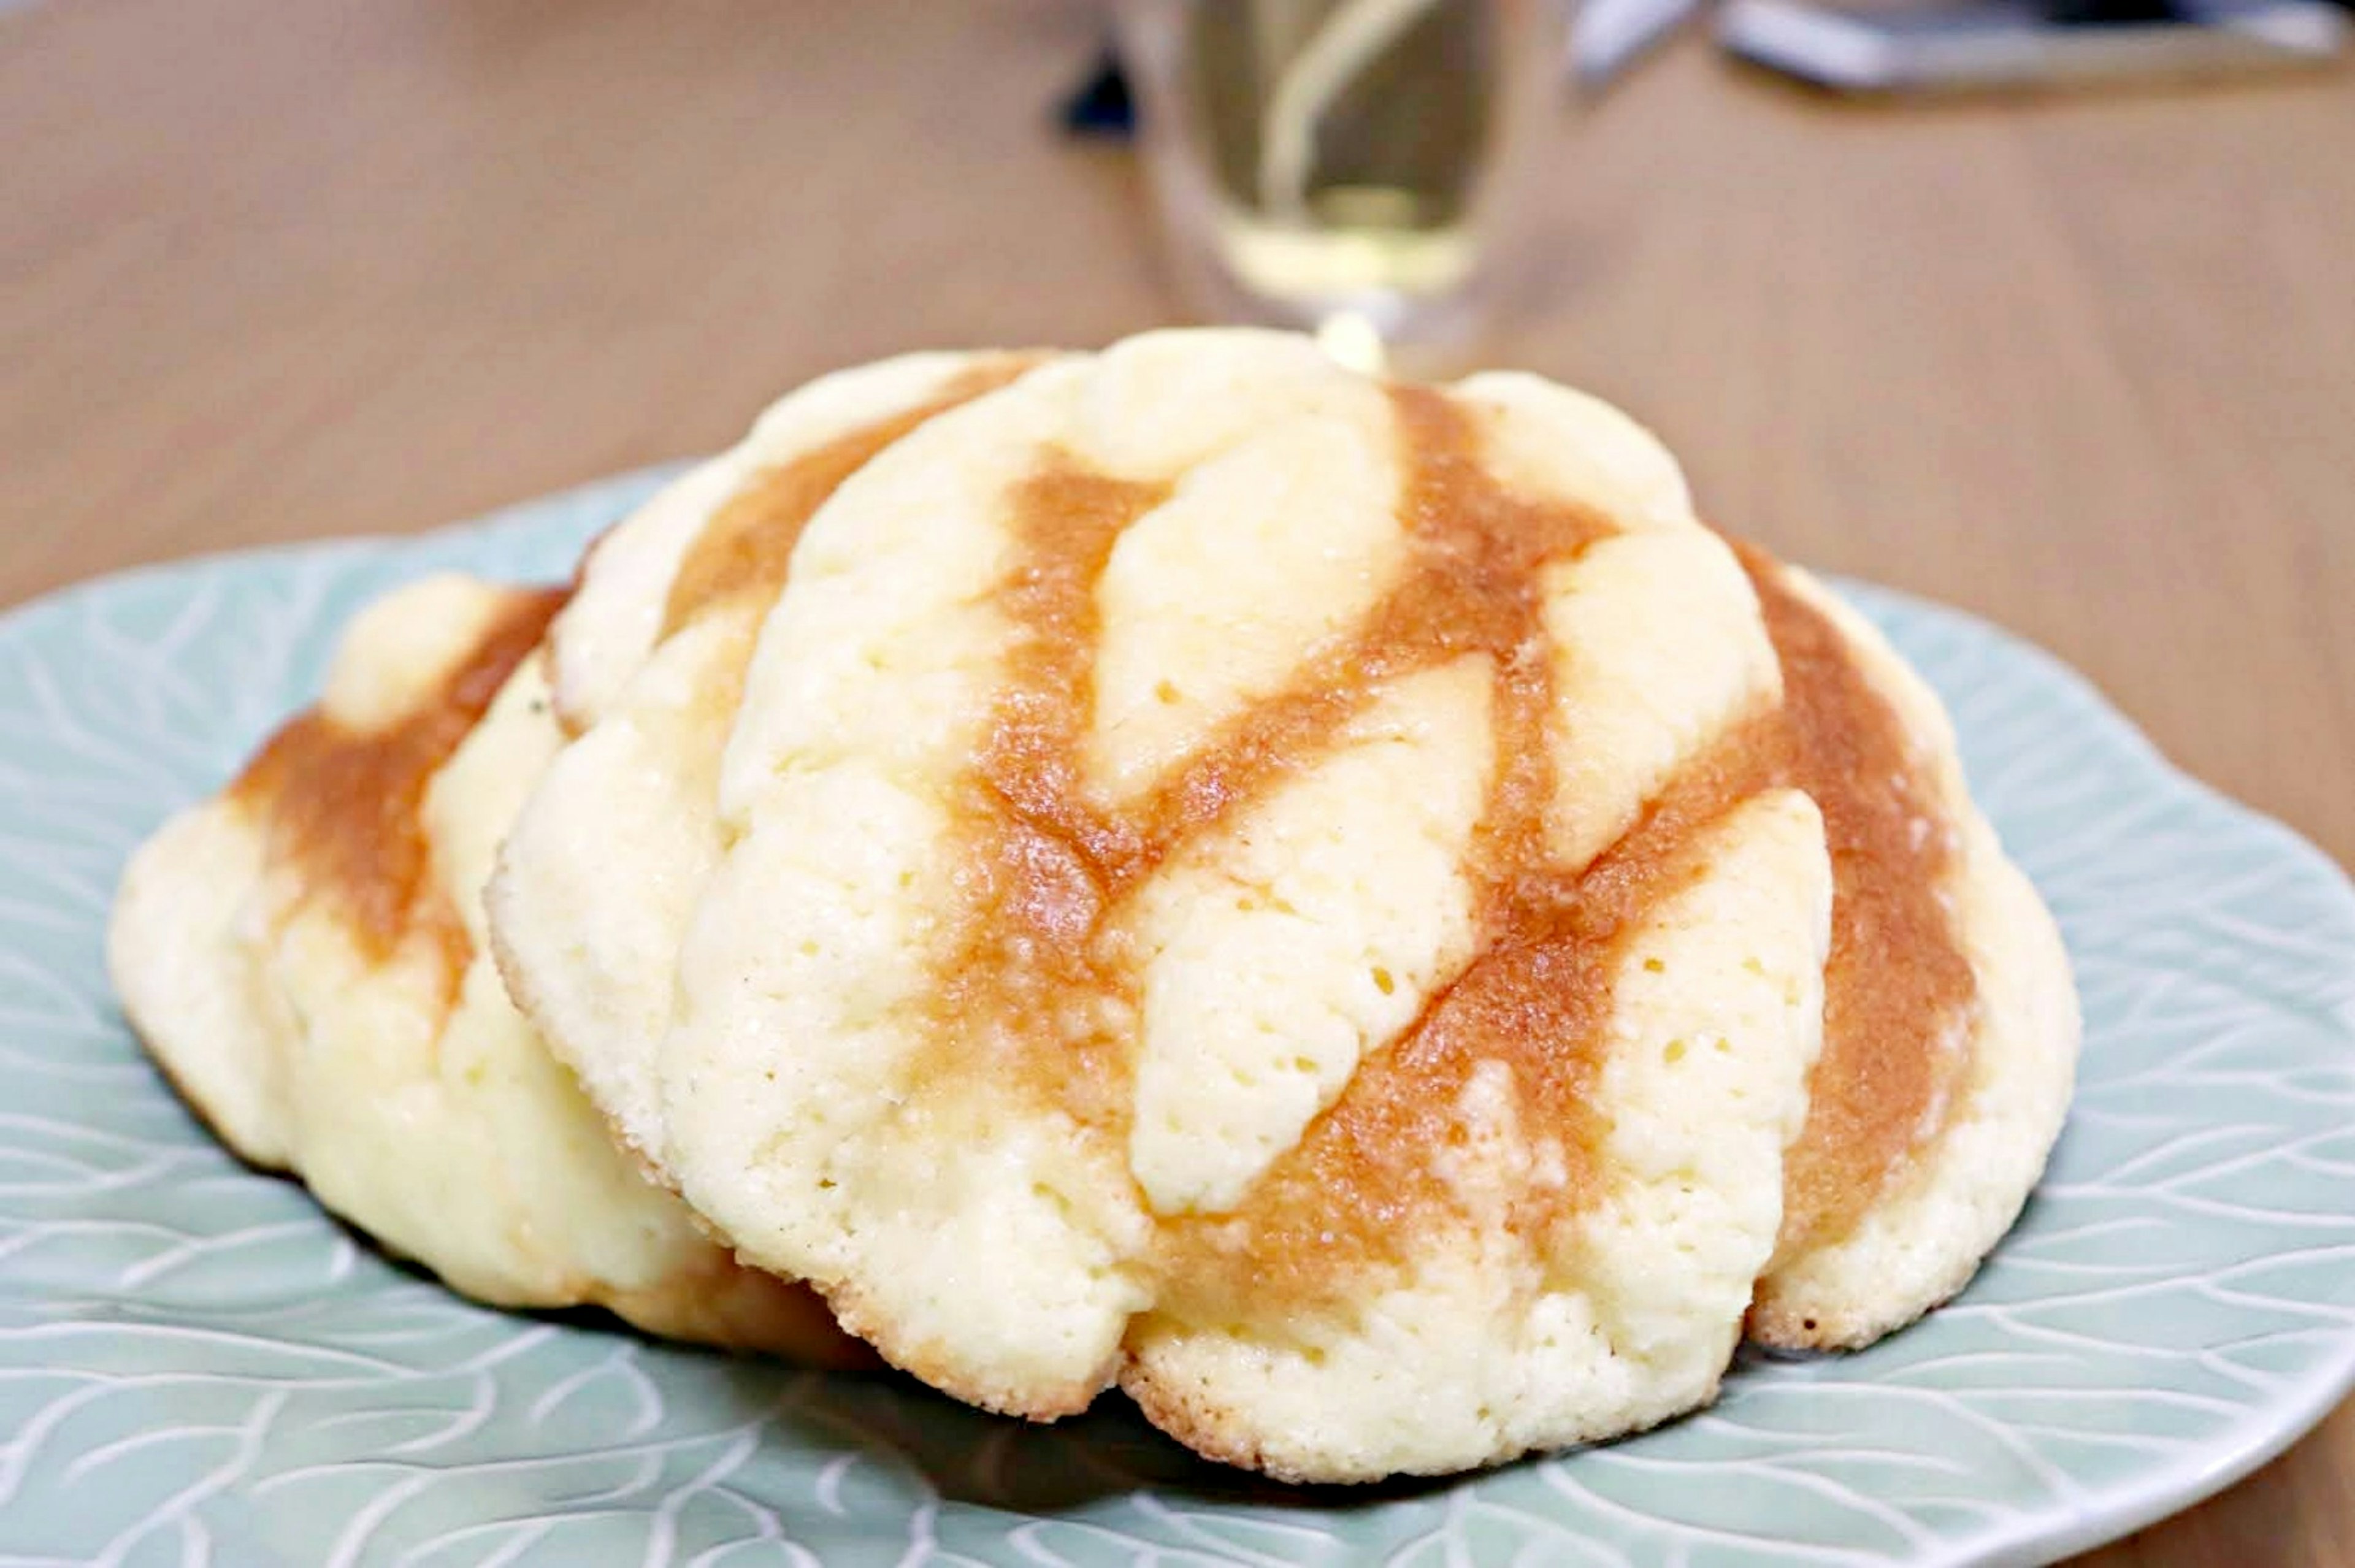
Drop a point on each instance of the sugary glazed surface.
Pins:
(1339, 906)
(1046, 941)
(1224, 872)
(649, 658)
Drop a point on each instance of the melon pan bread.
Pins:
(304, 956)
(1339, 908)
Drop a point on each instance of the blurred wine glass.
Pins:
(1347, 167)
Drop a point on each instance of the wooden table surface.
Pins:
(2086, 367)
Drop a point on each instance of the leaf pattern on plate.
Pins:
(196, 1365)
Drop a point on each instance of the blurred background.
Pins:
(2080, 360)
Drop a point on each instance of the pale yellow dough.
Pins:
(443, 1129)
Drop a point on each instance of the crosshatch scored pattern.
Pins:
(196, 1365)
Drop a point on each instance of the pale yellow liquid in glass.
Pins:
(1345, 140)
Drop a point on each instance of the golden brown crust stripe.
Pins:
(343, 805)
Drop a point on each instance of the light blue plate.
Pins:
(195, 1365)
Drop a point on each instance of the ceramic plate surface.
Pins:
(196, 1366)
